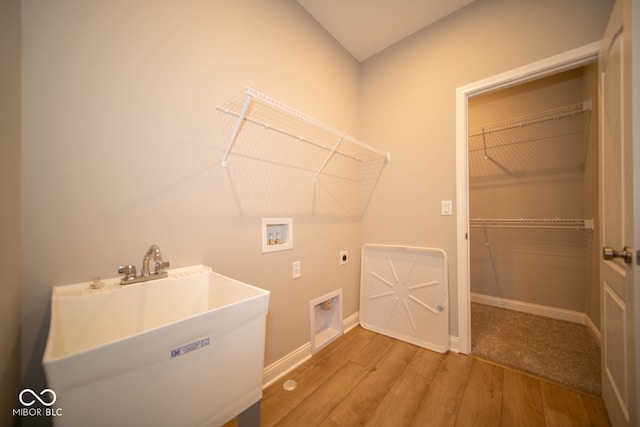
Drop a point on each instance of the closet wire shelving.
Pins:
(545, 223)
(535, 257)
(259, 109)
(531, 145)
(531, 119)
(482, 142)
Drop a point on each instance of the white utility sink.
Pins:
(185, 350)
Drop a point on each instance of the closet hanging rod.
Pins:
(551, 223)
(531, 119)
(281, 111)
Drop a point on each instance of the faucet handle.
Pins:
(129, 271)
(161, 266)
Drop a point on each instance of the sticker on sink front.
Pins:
(192, 346)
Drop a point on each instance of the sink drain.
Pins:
(290, 385)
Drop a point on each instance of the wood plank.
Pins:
(370, 355)
(364, 399)
(562, 406)
(277, 402)
(317, 406)
(596, 411)
(231, 423)
(328, 423)
(439, 405)
(402, 400)
(482, 400)
(426, 363)
(521, 400)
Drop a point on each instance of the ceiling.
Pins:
(365, 27)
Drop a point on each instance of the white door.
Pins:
(618, 266)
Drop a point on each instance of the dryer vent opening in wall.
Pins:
(326, 319)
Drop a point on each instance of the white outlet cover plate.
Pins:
(296, 270)
(446, 207)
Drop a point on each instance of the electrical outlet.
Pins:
(296, 270)
(344, 257)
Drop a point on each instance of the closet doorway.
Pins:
(553, 65)
(533, 186)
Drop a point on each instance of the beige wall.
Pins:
(122, 146)
(408, 106)
(9, 208)
(541, 174)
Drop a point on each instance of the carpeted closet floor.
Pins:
(554, 349)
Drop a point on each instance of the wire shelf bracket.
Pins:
(315, 177)
(260, 109)
(236, 130)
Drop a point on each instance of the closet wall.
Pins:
(534, 176)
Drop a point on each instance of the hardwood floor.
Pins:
(364, 378)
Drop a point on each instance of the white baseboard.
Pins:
(525, 307)
(282, 367)
(351, 322)
(297, 357)
(595, 333)
(454, 344)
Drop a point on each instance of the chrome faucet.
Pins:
(159, 268)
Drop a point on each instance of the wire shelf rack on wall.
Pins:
(552, 140)
(532, 119)
(542, 223)
(259, 109)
